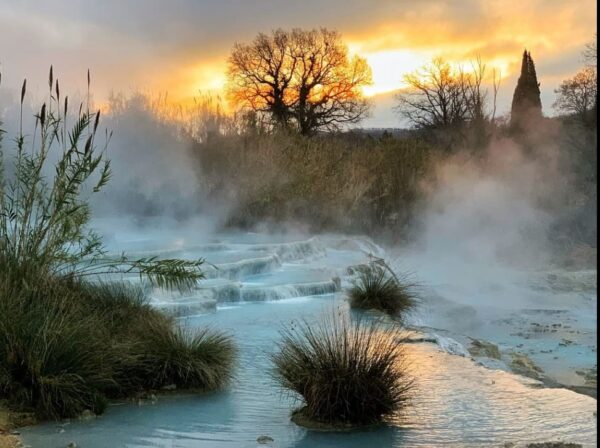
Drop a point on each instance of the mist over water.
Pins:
(481, 228)
(486, 210)
(480, 246)
(153, 172)
(481, 235)
(180, 256)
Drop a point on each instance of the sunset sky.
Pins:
(181, 46)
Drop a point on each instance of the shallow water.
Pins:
(548, 314)
(457, 402)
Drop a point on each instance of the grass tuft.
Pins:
(188, 359)
(346, 373)
(67, 346)
(378, 287)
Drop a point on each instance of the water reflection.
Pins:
(457, 403)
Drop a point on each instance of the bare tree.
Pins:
(475, 95)
(439, 96)
(578, 95)
(590, 54)
(260, 74)
(303, 79)
(497, 79)
(434, 97)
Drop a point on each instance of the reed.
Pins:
(68, 344)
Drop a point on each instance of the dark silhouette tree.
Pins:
(590, 54)
(578, 95)
(435, 97)
(526, 103)
(299, 79)
(449, 102)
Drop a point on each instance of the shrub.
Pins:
(67, 346)
(346, 373)
(57, 359)
(342, 181)
(377, 287)
(176, 355)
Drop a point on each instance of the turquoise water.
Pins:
(457, 402)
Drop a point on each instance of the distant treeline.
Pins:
(255, 167)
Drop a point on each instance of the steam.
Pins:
(487, 209)
(490, 210)
(153, 172)
(487, 229)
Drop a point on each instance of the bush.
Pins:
(67, 346)
(343, 181)
(377, 287)
(346, 373)
(199, 360)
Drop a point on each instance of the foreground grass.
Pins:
(378, 287)
(345, 373)
(67, 346)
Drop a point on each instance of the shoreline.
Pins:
(10, 421)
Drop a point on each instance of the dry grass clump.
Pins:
(345, 373)
(378, 287)
(336, 181)
(67, 346)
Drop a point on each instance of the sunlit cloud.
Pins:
(459, 32)
(182, 47)
(388, 67)
(201, 77)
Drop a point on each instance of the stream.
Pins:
(260, 283)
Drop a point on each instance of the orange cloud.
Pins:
(496, 31)
(183, 50)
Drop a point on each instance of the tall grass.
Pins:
(56, 357)
(66, 344)
(345, 373)
(199, 360)
(45, 213)
(350, 182)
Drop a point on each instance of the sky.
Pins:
(181, 46)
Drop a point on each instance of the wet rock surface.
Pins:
(554, 445)
(523, 365)
(263, 440)
(479, 348)
(590, 376)
(551, 336)
(565, 281)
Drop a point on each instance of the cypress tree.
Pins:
(526, 103)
